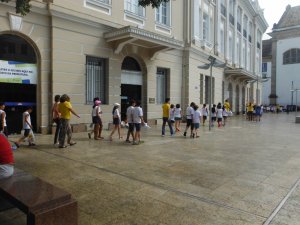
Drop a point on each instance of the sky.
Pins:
(273, 10)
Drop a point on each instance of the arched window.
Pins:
(291, 56)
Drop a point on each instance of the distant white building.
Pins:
(283, 58)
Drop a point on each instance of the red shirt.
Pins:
(6, 154)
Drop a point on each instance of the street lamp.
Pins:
(212, 63)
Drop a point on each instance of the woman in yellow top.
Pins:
(250, 109)
(227, 105)
(65, 110)
(166, 114)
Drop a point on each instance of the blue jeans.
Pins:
(166, 120)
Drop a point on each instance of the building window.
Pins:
(245, 26)
(223, 8)
(230, 45)
(249, 61)
(133, 6)
(207, 14)
(100, 5)
(239, 19)
(222, 36)
(231, 12)
(264, 68)
(291, 56)
(259, 37)
(163, 14)
(161, 85)
(244, 54)
(201, 88)
(96, 76)
(250, 32)
(238, 49)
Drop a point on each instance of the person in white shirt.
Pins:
(97, 121)
(196, 121)
(3, 124)
(178, 116)
(189, 118)
(219, 114)
(116, 121)
(129, 120)
(204, 113)
(138, 121)
(213, 115)
(27, 128)
(225, 115)
(172, 116)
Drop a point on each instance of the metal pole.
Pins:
(292, 100)
(210, 95)
(296, 102)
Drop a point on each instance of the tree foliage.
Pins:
(153, 3)
(22, 6)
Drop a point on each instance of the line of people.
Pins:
(173, 115)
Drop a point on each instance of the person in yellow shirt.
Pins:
(250, 109)
(65, 110)
(166, 115)
(227, 105)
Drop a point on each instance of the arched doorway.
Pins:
(237, 99)
(230, 93)
(244, 100)
(131, 83)
(18, 79)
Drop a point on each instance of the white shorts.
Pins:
(6, 170)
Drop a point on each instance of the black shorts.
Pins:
(131, 127)
(219, 119)
(116, 121)
(213, 118)
(137, 126)
(189, 122)
(26, 132)
(97, 120)
(204, 117)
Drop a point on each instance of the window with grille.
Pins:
(96, 78)
(161, 85)
(291, 56)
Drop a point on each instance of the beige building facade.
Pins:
(117, 50)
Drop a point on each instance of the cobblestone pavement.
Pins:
(243, 174)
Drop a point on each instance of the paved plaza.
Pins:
(243, 174)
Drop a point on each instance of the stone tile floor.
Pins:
(235, 175)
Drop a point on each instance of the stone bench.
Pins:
(43, 203)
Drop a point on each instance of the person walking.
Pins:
(204, 113)
(196, 121)
(97, 121)
(219, 113)
(3, 124)
(56, 118)
(172, 117)
(227, 105)
(225, 115)
(166, 114)
(116, 121)
(129, 120)
(250, 109)
(27, 127)
(6, 158)
(138, 121)
(65, 109)
(213, 115)
(189, 118)
(178, 116)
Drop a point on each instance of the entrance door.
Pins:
(18, 80)
(129, 92)
(131, 83)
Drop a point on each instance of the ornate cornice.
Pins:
(135, 32)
